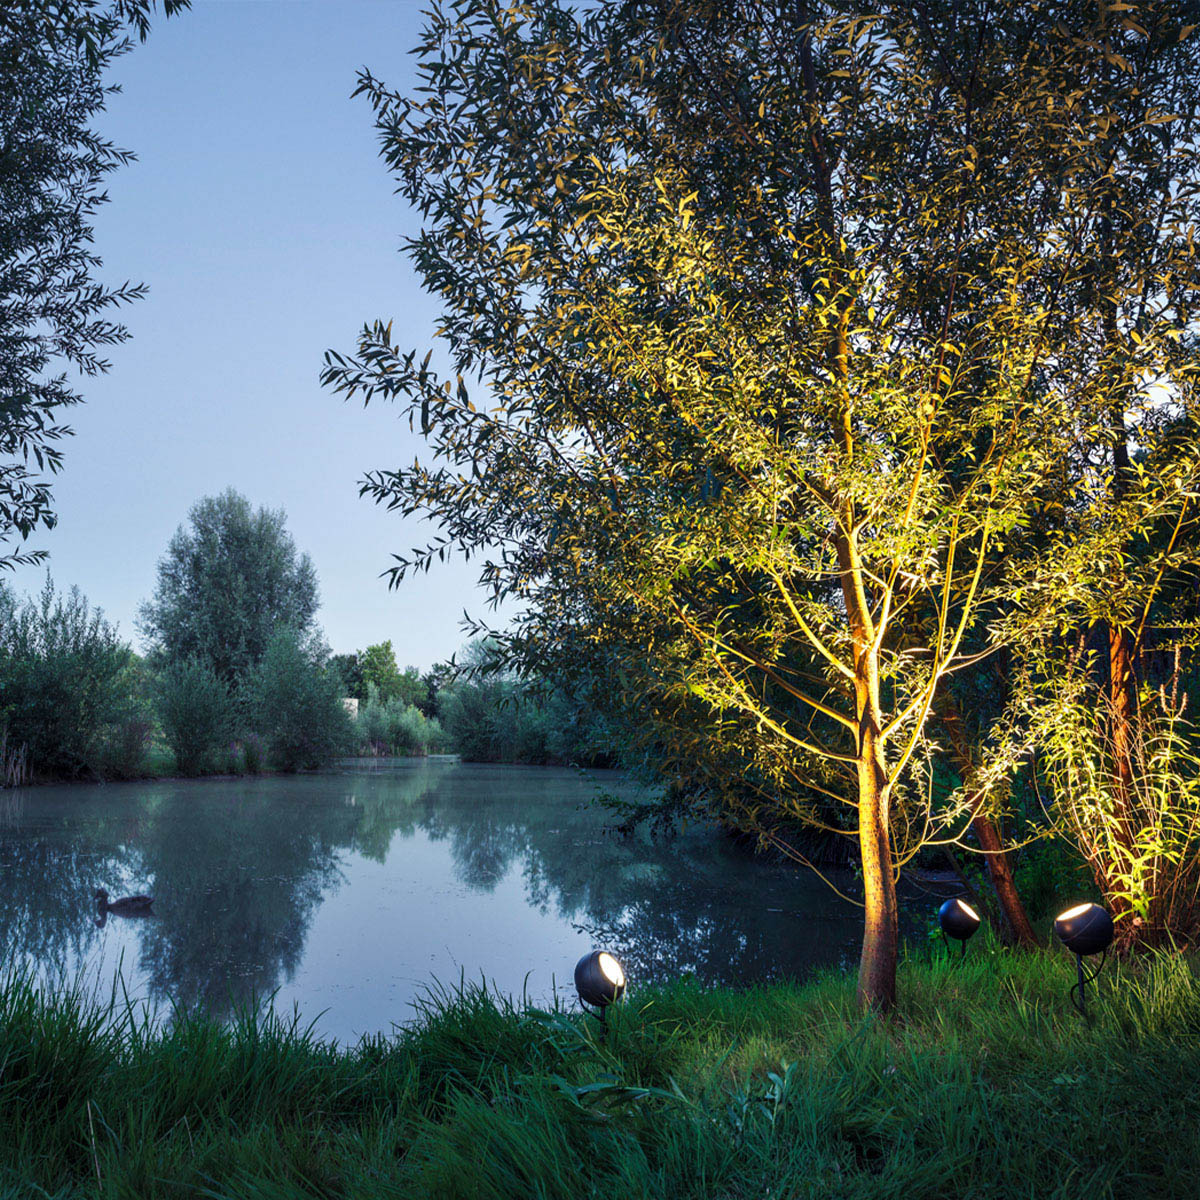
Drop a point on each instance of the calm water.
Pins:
(352, 891)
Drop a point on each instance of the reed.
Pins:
(14, 767)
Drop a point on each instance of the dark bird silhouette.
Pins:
(127, 906)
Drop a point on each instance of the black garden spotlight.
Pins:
(599, 980)
(959, 921)
(1084, 929)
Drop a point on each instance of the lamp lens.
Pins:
(968, 910)
(1078, 910)
(612, 970)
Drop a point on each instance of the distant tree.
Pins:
(434, 680)
(227, 582)
(411, 687)
(349, 669)
(52, 167)
(296, 703)
(378, 665)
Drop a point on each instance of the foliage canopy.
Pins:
(53, 165)
(228, 580)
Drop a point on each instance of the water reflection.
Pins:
(349, 890)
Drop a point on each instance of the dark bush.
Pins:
(125, 745)
(195, 711)
(296, 704)
(499, 720)
(253, 756)
(63, 682)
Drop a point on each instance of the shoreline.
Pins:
(225, 776)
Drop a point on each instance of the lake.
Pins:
(350, 892)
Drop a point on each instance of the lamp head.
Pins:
(958, 919)
(599, 979)
(1084, 929)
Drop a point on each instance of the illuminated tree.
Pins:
(777, 311)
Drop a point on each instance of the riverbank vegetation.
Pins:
(986, 1084)
(236, 677)
(492, 714)
(77, 703)
(474, 707)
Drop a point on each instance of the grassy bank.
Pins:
(986, 1083)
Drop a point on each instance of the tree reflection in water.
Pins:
(50, 864)
(239, 868)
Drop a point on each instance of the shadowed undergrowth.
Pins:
(984, 1084)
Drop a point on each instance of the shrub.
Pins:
(231, 759)
(297, 704)
(394, 727)
(125, 745)
(127, 739)
(194, 709)
(1143, 846)
(415, 733)
(498, 718)
(63, 681)
(252, 753)
(470, 714)
(14, 771)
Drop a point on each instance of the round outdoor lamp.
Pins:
(599, 979)
(959, 921)
(1084, 929)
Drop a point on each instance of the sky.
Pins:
(265, 225)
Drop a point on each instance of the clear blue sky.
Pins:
(264, 223)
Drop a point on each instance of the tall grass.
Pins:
(985, 1083)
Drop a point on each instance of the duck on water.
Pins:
(126, 906)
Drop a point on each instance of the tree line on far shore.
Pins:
(237, 677)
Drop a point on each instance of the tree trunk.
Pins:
(877, 967)
(1122, 679)
(1003, 883)
(1122, 705)
(986, 832)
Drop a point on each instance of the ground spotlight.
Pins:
(599, 980)
(958, 920)
(1084, 929)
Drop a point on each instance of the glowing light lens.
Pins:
(1078, 910)
(612, 970)
(968, 910)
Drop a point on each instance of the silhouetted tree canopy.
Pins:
(53, 312)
